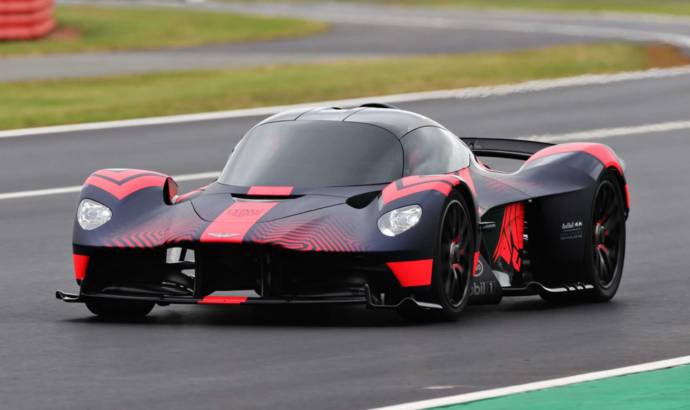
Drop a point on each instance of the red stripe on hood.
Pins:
(270, 190)
(234, 223)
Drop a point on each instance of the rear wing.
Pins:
(504, 148)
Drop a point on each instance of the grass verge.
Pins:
(677, 7)
(38, 103)
(97, 28)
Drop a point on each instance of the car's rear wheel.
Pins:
(119, 309)
(453, 262)
(605, 247)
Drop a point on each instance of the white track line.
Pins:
(463, 93)
(77, 188)
(610, 132)
(546, 384)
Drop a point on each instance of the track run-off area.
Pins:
(56, 355)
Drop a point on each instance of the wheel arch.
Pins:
(467, 194)
(620, 177)
(464, 190)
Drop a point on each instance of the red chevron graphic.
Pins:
(122, 183)
(413, 184)
(510, 240)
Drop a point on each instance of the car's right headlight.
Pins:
(399, 220)
(92, 214)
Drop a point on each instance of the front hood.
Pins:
(309, 219)
(209, 207)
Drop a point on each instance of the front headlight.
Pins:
(399, 220)
(92, 214)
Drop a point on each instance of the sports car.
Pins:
(370, 205)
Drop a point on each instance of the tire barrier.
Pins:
(26, 19)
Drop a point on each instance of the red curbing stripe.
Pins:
(412, 273)
(222, 300)
(270, 190)
(81, 264)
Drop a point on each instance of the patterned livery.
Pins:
(370, 205)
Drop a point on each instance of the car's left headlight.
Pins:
(92, 214)
(399, 220)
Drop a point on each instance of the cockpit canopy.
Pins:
(328, 153)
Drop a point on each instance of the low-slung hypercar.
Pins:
(371, 205)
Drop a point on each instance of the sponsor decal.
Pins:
(480, 269)
(571, 230)
(484, 288)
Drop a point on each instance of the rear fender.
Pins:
(560, 224)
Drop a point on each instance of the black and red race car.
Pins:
(371, 205)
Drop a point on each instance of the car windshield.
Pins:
(315, 154)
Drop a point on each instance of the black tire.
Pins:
(605, 247)
(119, 309)
(451, 278)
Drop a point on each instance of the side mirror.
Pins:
(170, 191)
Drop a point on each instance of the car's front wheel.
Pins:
(453, 263)
(119, 309)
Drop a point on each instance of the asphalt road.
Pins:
(55, 355)
(360, 31)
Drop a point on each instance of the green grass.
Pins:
(37, 103)
(679, 7)
(97, 28)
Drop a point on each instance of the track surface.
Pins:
(361, 31)
(56, 355)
